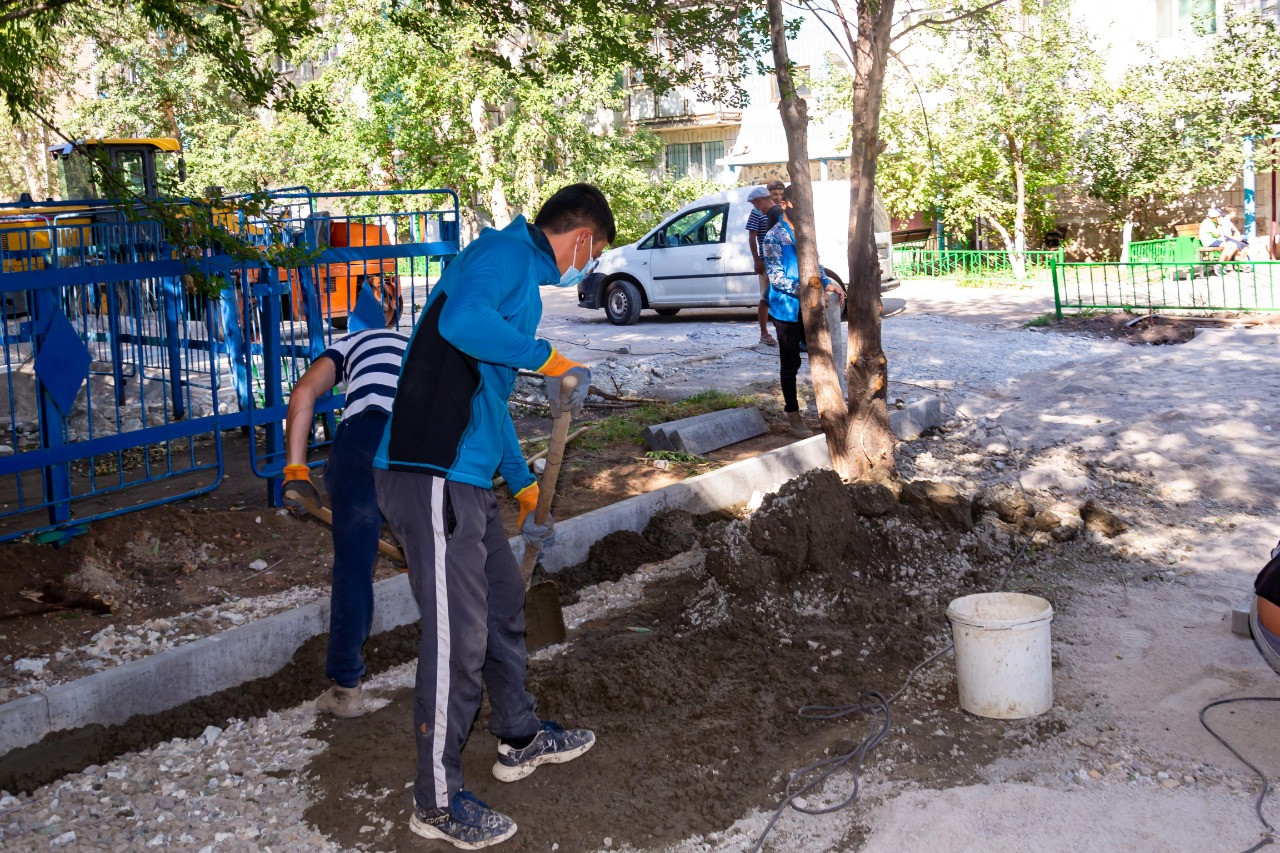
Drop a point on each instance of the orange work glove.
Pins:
(559, 395)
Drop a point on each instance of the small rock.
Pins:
(1098, 519)
(258, 565)
(1170, 783)
(539, 465)
(1090, 742)
(608, 841)
(211, 735)
(366, 828)
(65, 838)
(35, 666)
(1095, 775)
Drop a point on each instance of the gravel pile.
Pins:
(229, 789)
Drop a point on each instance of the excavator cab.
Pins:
(142, 167)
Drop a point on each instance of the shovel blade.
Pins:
(543, 616)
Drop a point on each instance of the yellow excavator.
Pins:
(141, 165)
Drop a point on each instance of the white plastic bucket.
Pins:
(1004, 665)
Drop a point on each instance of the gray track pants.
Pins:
(471, 596)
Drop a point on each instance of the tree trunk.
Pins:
(1016, 259)
(832, 409)
(868, 444)
(499, 207)
(30, 160)
(1017, 253)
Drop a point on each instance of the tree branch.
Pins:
(940, 22)
(22, 14)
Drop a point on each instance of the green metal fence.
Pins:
(1166, 286)
(914, 261)
(1166, 250)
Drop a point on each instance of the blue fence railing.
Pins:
(118, 376)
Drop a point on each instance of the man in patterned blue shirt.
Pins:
(783, 269)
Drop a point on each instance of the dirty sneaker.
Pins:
(553, 744)
(467, 824)
(344, 702)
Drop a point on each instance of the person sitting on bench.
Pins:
(1211, 237)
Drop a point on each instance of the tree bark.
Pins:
(499, 207)
(858, 435)
(832, 409)
(1017, 252)
(869, 442)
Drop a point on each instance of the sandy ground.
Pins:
(1177, 440)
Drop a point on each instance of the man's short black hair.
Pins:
(788, 194)
(775, 185)
(577, 206)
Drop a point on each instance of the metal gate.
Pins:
(121, 381)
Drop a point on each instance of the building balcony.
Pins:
(677, 107)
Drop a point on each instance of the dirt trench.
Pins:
(824, 592)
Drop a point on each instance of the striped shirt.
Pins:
(368, 361)
(760, 223)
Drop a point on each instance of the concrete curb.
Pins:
(175, 676)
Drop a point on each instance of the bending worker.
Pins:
(368, 361)
(782, 267)
(449, 432)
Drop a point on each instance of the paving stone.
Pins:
(729, 427)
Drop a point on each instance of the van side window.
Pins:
(695, 228)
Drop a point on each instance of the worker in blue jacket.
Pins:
(449, 432)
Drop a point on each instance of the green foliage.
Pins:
(39, 41)
(1008, 124)
(1041, 321)
(1174, 126)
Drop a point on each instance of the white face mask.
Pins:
(573, 274)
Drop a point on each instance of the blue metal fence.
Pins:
(120, 377)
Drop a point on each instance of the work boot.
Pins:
(344, 702)
(553, 744)
(798, 428)
(467, 824)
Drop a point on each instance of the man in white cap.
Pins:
(766, 214)
(1212, 238)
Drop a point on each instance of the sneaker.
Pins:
(344, 702)
(467, 824)
(768, 340)
(553, 744)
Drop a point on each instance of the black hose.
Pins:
(1268, 834)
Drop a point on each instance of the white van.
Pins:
(700, 258)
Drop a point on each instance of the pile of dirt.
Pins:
(620, 553)
(693, 693)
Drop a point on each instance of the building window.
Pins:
(694, 159)
(1179, 18)
(799, 74)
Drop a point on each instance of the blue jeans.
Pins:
(357, 523)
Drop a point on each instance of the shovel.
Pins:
(322, 512)
(543, 616)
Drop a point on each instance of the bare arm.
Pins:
(315, 383)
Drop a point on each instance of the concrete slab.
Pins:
(910, 423)
(730, 427)
(658, 436)
(23, 721)
(1240, 618)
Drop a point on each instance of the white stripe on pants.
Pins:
(442, 640)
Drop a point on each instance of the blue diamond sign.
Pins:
(62, 363)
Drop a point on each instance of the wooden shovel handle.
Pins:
(322, 512)
(550, 475)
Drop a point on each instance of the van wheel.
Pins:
(666, 312)
(622, 303)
